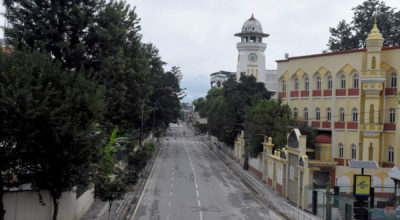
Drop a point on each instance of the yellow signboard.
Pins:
(362, 185)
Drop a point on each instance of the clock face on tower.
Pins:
(252, 57)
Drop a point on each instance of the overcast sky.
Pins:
(197, 35)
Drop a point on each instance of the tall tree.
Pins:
(51, 115)
(266, 117)
(59, 27)
(342, 37)
(352, 36)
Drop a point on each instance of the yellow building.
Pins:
(351, 98)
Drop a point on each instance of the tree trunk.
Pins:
(109, 209)
(2, 211)
(55, 203)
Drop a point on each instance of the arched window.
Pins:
(393, 79)
(305, 113)
(392, 116)
(296, 84)
(353, 151)
(306, 84)
(354, 115)
(319, 83)
(317, 114)
(283, 85)
(330, 82)
(340, 150)
(328, 114)
(341, 114)
(390, 154)
(295, 113)
(343, 82)
(355, 81)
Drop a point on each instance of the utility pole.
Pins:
(141, 127)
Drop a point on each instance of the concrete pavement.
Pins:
(190, 182)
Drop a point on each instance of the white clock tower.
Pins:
(251, 58)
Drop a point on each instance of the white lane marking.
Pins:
(172, 179)
(195, 181)
(170, 193)
(172, 185)
(147, 182)
(169, 204)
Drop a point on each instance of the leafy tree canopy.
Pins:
(347, 36)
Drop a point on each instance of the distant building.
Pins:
(217, 79)
(251, 57)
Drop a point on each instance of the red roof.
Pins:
(334, 53)
(323, 138)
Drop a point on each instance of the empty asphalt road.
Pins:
(189, 182)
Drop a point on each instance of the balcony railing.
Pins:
(305, 93)
(327, 92)
(315, 124)
(316, 93)
(354, 92)
(340, 92)
(339, 125)
(294, 93)
(390, 91)
(352, 125)
(326, 124)
(282, 94)
(389, 127)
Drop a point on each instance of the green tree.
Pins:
(58, 27)
(109, 184)
(352, 36)
(342, 37)
(50, 114)
(266, 117)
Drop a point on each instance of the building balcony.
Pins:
(294, 94)
(389, 127)
(340, 161)
(352, 125)
(316, 93)
(387, 165)
(340, 92)
(326, 124)
(327, 92)
(316, 124)
(354, 92)
(372, 127)
(305, 93)
(282, 95)
(339, 125)
(390, 91)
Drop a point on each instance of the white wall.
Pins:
(24, 205)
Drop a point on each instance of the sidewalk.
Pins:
(122, 208)
(270, 197)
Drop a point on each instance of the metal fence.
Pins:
(339, 204)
